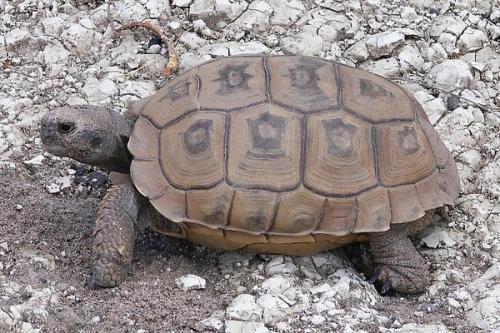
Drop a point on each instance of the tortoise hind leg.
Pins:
(399, 266)
(114, 235)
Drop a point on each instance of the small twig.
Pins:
(173, 60)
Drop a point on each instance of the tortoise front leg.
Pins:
(399, 266)
(114, 235)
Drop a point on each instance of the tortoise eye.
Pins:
(65, 128)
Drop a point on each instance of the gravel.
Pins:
(58, 52)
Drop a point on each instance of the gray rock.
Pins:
(451, 75)
(472, 40)
(191, 282)
(384, 43)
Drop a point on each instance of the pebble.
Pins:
(191, 282)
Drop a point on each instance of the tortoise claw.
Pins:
(386, 287)
(375, 275)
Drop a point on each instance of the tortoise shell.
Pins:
(287, 154)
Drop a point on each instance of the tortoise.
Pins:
(276, 154)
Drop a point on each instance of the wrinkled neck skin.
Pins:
(92, 135)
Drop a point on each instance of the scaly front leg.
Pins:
(114, 235)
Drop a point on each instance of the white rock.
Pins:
(192, 40)
(495, 15)
(5, 320)
(191, 282)
(244, 307)
(384, 43)
(472, 40)
(320, 289)
(471, 157)
(235, 326)
(410, 58)
(437, 237)
(46, 263)
(128, 10)
(385, 67)
(15, 36)
(486, 312)
(55, 54)
(182, 3)
(99, 91)
(256, 18)
(437, 53)
(449, 41)
(156, 7)
(276, 284)
(434, 109)
(489, 177)
(419, 328)
(357, 52)
(28, 328)
(280, 265)
(140, 89)
(408, 13)
(451, 75)
(202, 8)
(212, 324)
(304, 43)
(449, 24)
(317, 320)
(37, 160)
(81, 37)
(53, 26)
(274, 309)
(253, 47)
(286, 12)
(189, 59)
(231, 9)
(53, 188)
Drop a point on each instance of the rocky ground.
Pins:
(57, 52)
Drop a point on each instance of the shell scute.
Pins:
(302, 83)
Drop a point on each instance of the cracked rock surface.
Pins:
(60, 52)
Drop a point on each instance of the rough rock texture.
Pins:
(58, 52)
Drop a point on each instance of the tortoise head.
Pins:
(90, 134)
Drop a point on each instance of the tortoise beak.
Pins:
(48, 132)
